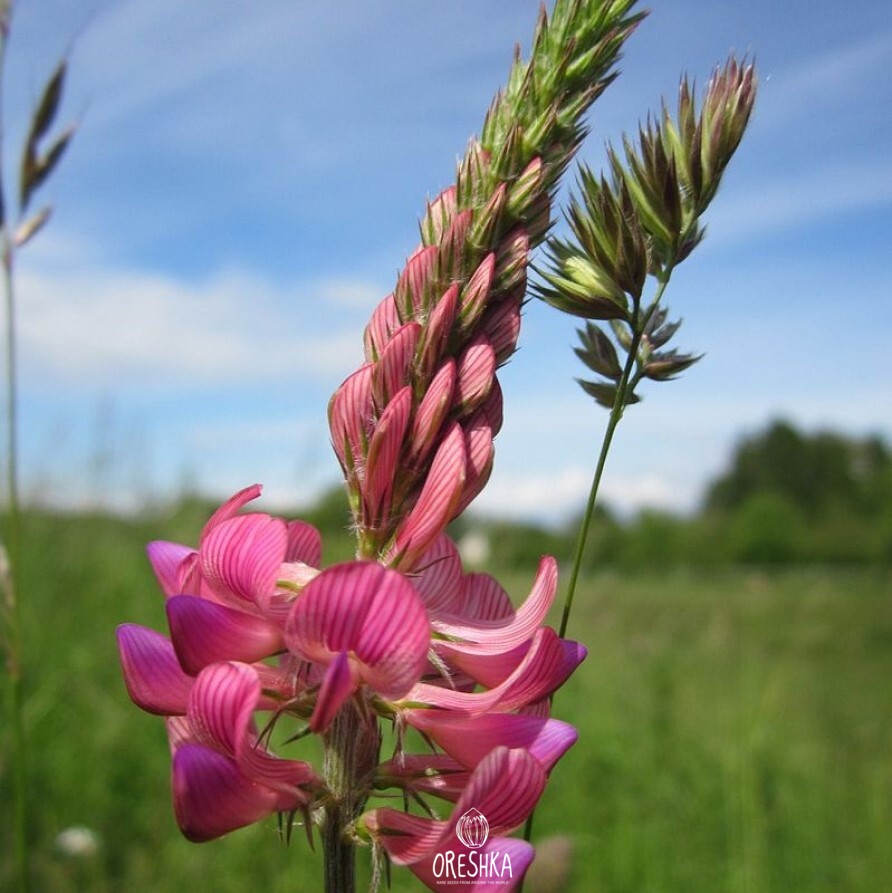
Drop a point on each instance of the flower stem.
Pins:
(351, 753)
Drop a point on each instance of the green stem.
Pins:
(11, 571)
(626, 386)
(350, 755)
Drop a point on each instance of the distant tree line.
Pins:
(786, 497)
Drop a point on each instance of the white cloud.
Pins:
(88, 326)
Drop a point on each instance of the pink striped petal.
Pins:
(546, 666)
(154, 678)
(168, 560)
(437, 331)
(304, 543)
(469, 739)
(454, 241)
(488, 670)
(383, 323)
(204, 632)
(241, 557)
(501, 325)
(476, 293)
(439, 580)
(212, 797)
(436, 503)
(337, 686)
(411, 292)
(370, 611)
(475, 634)
(349, 412)
(381, 468)
(476, 369)
(481, 451)
(231, 508)
(439, 213)
(391, 372)
(511, 259)
(432, 411)
(407, 838)
(485, 599)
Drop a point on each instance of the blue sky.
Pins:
(247, 182)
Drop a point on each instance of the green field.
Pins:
(736, 734)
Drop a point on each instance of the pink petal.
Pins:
(504, 633)
(476, 370)
(230, 508)
(204, 632)
(304, 544)
(476, 293)
(485, 599)
(410, 294)
(470, 739)
(546, 666)
(241, 557)
(406, 837)
(383, 323)
(481, 452)
(437, 331)
(436, 774)
(154, 678)
(501, 325)
(349, 410)
(167, 560)
(212, 797)
(436, 503)
(391, 372)
(381, 468)
(432, 411)
(337, 686)
(439, 213)
(370, 611)
(439, 580)
(486, 669)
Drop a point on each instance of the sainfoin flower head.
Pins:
(261, 638)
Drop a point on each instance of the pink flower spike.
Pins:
(304, 543)
(241, 557)
(436, 503)
(168, 560)
(204, 632)
(154, 678)
(372, 613)
(469, 739)
(337, 686)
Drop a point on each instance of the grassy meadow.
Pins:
(736, 734)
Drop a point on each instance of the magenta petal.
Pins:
(431, 413)
(337, 686)
(154, 678)
(348, 413)
(212, 797)
(439, 579)
(241, 557)
(436, 503)
(502, 634)
(391, 371)
(383, 323)
(383, 456)
(546, 666)
(304, 543)
(489, 670)
(406, 837)
(476, 370)
(470, 739)
(167, 562)
(436, 774)
(370, 611)
(204, 632)
(231, 508)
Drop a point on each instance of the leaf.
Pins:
(35, 170)
(598, 352)
(48, 106)
(666, 366)
(605, 394)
